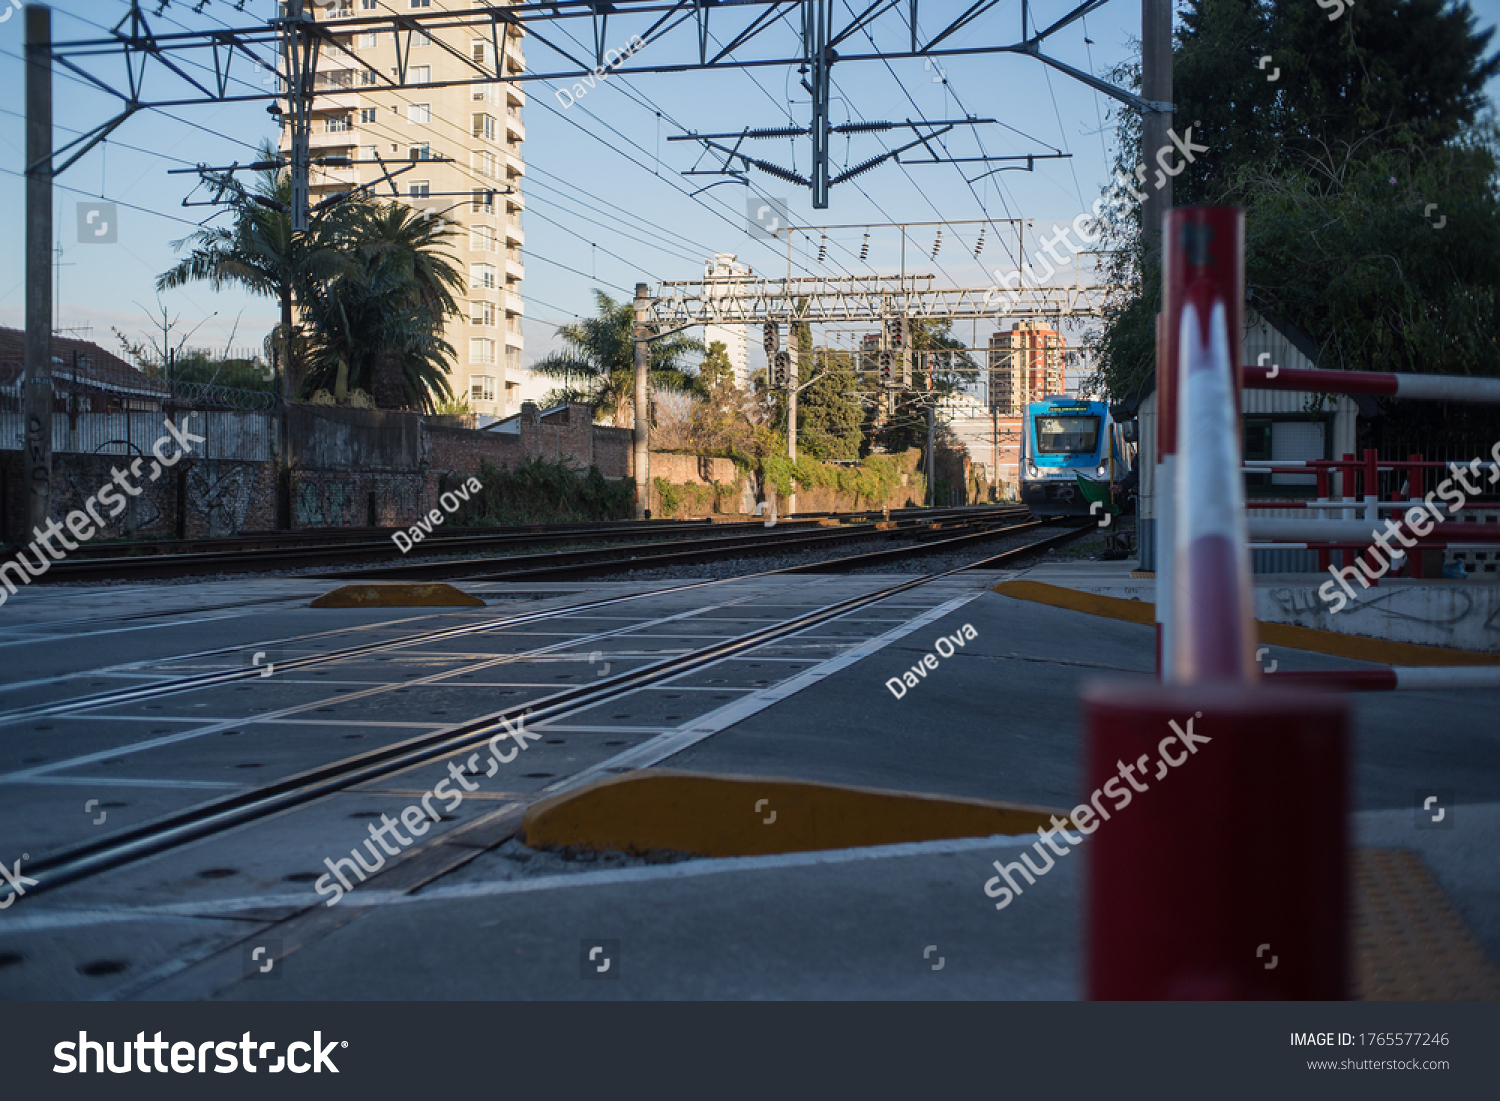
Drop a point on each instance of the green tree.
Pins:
(260, 252)
(376, 324)
(597, 364)
(829, 414)
(1372, 122)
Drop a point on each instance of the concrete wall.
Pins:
(197, 498)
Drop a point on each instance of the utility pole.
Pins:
(642, 412)
(791, 414)
(1156, 119)
(38, 354)
(931, 472)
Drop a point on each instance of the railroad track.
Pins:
(575, 565)
(147, 560)
(82, 861)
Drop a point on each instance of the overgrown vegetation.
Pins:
(1368, 174)
(544, 492)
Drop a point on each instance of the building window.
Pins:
(419, 113)
(480, 52)
(366, 116)
(419, 189)
(481, 350)
(481, 239)
(483, 162)
(368, 39)
(420, 38)
(367, 78)
(418, 152)
(482, 275)
(372, 153)
(513, 323)
(483, 313)
(419, 74)
(338, 124)
(421, 3)
(369, 5)
(484, 126)
(512, 359)
(482, 387)
(486, 93)
(483, 203)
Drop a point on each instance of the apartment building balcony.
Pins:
(515, 267)
(515, 130)
(510, 301)
(327, 142)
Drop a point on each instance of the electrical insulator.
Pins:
(864, 249)
(980, 246)
(937, 244)
(772, 337)
(822, 248)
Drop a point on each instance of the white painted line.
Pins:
(675, 741)
(39, 920)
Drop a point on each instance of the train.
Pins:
(1064, 439)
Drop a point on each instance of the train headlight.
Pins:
(1102, 471)
(1031, 468)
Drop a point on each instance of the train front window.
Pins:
(1067, 435)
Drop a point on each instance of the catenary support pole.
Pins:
(931, 473)
(642, 410)
(38, 347)
(1156, 88)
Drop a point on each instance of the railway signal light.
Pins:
(885, 360)
(772, 337)
(781, 370)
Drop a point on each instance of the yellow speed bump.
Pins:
(397, 596)
(708, 815)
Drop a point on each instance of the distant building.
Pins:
(1025, 365)
(724, 268)
(465, 142)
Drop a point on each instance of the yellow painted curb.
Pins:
(710, 815)
(1354, 647)
(397, 596)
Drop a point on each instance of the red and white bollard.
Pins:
(1221, 870)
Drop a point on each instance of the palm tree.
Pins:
(598, 364)
(376, 324)
(261, 253)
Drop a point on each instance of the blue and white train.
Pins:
(1063, 439)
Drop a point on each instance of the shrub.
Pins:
(539, 491)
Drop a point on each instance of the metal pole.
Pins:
(1156, 87)
(791, 417)
(931, 473)
(38, 361)
(642, 412)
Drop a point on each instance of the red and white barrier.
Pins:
(1378, 383)
(1402, 678)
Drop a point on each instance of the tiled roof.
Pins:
(96, 368)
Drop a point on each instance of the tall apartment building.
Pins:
(1025, 365)
(723, 269)
(478, 126)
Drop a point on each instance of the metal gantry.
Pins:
(292, 43)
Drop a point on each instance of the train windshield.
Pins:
(1067, 435)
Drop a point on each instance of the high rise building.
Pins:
(723, 269)
(465, 141)
(1025, 365)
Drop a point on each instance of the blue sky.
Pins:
(605, 197)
